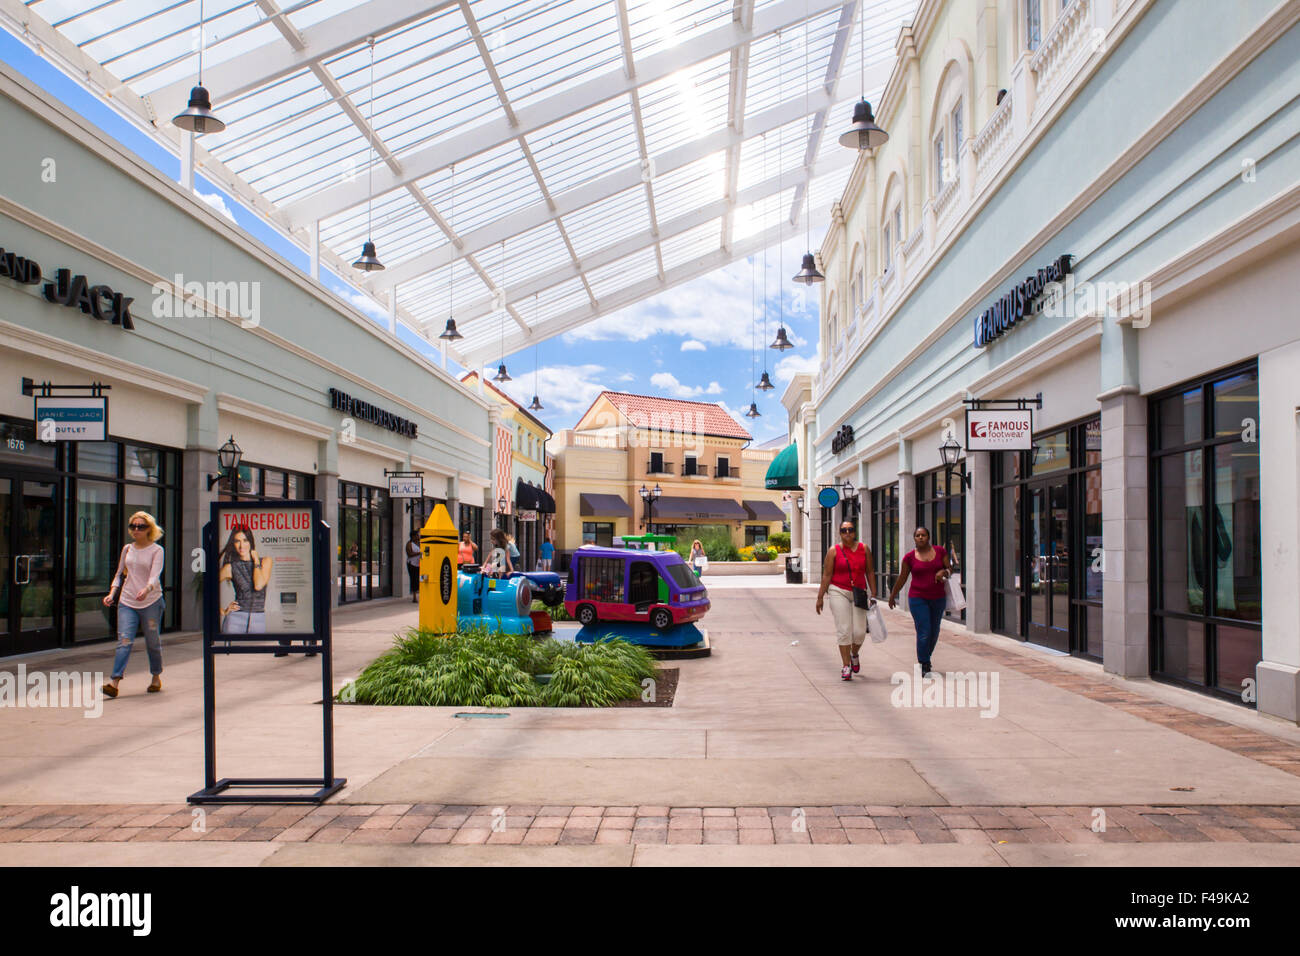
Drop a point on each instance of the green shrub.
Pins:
(781, 539)
(482, 668)
(557, 613)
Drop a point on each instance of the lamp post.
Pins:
(649, 496)
(950, 451)
(228, 458)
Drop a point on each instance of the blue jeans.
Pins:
(129, 623)
(244, 622)
(928, 615)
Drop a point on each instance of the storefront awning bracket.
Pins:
(1020, 404)
(47, 389)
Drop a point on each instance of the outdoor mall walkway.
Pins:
(765, 757)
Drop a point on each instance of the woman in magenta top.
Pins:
(140, 606)
(928, 566)
(847, 565)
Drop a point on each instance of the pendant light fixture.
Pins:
(765, 383)
(536, 404)
(502, 375)
(808, 273)
(753, 362)
(450, 333)
(369, 261)
(864, 133)
(197, 117)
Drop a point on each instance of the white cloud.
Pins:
(626, 377)
(363, 303)
(693, 345)
(217, 202)
(668, 382)
(722, 308)
(566, 391)
(792, 365)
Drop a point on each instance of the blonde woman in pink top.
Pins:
(140, 606)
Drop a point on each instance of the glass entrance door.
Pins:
(1049, 565)
(29, 563)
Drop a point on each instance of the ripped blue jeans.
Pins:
(129, 623)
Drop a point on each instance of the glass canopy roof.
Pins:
(538, 163)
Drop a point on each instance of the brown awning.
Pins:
(603, 506)
(764, 511)
(702, 509)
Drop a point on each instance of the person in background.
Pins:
(847, 565)
(141, 605)
(698, 559)
(928, 566)
(548, 552)
(514, 551)
(467, 550)
(498, 563)
(413, 564)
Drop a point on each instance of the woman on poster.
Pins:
(249, 575)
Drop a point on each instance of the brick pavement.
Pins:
(552, 825)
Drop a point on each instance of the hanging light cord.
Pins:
(451, 224)
(807, 189)
(201, 42)
(862, 46)
(503, 302)
(780, 186)
(370, 169)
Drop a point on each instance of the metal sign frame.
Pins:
(310, 644)
(996, 404)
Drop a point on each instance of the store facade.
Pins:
(1104, 294)
(157, 315)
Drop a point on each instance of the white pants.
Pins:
(850, 621)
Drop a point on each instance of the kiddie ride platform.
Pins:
(678, 642)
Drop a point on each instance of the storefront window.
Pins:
(364, 546)
(755, 534)
(599, 533)
(1206, 548)
(884, 536)
(1048, 560)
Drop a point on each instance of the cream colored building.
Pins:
(699, 457)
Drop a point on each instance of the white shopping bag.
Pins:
(876, 623)
(956, 599)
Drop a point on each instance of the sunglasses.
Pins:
(139, 527)
(848, 530)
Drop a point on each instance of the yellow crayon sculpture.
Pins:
(438, 540)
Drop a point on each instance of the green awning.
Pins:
(783, 473)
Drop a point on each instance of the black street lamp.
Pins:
(649, 496)
(950, 451)
(228, 457)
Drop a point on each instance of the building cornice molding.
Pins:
(273, 417)
(19, 337)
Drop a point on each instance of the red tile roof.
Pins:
(703, 418)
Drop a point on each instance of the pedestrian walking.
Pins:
(848, 566)
(929, 567)
(137, 591)
(548, 552)
(413, 564)
(698, 560)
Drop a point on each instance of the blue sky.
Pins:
(692, 341)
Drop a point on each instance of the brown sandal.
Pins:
(156, 685)
(110, 690)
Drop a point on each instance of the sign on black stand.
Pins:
(266, 590)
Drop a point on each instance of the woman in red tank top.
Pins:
(847, 565)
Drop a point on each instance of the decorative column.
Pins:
(1124, 529)
(977, 571)
(906, 498)
(327, 493)
(198, 461)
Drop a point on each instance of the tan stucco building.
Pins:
(701, 459)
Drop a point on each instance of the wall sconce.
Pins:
(950, 451)
(228, 458)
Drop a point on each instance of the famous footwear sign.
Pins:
(1009, 429)
(1021, 302)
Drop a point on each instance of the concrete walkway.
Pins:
(764, 730)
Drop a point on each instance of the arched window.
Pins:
(857, 288)
(948, 128)
(891, 223)
(832, 325)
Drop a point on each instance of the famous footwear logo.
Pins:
(55, 689)
(953, 689)
(1121, 301)
(195, 300)
(77, 909)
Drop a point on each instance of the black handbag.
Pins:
(861, 596)
(119, 573)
